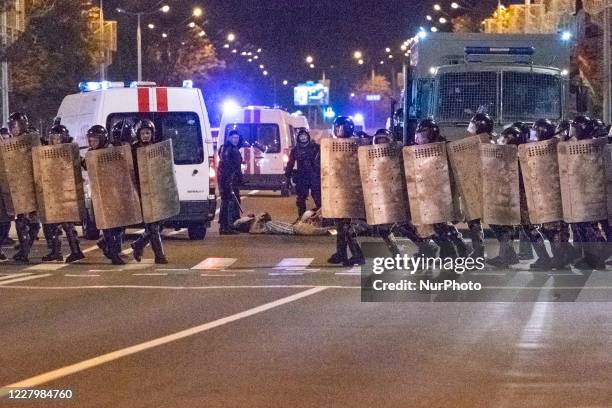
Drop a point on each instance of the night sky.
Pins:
(287, 31)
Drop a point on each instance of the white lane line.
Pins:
(172, 270)
(348, 273)
(175, 232)
(24, 278)
(237, 270)
(253, 192)
(215, 264)
(294, 264)
(117, 354)
(286, 273)
(47, 267)
(217, 275)
(90, 249)
(150, 274)
(83, 275)
(215, 287)
(13, 276)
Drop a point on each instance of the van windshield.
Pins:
(182, 127)
(264, 136)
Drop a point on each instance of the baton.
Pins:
(237, 202)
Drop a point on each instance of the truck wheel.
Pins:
(196, 232)
(90, 231)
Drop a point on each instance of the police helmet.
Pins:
(145, 124)
(346, 124)
(543, 129)
(98, 132)
(481, 123)
(582, 127)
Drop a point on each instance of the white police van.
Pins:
(269, 134)
(178, 113)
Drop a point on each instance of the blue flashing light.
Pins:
(89, 86)
(566, 35)
(499, 50)
(188, 83)
(422, 34)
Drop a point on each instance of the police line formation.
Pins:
(543, 181)
(131, 180)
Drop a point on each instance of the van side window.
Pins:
(182, 127)
(292, 135)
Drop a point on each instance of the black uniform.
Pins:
(307, 177)
(152, 232)
(230, 179)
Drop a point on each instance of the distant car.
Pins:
(179, 114)
(269, 134)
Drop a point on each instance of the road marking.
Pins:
(172, 270)
(348, 273)
(84, 275)
(15, 275)
(215, 264)
(117, 354)
(175, 288)
(237, 270)
(47, 267)
(175, 232)
(286, 273)
(294, 264)
(219, 275)
(24, 278)
(253, 192)
(150, 274)
(90, 249)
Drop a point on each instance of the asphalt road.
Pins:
(262, 321)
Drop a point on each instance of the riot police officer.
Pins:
(230, 179)
(58, 134)
(5, 226)
(97, 136)
(584, 233)
(481, 123)
(447, 237)
(122, 133)
(145, 135)
(27, 225)
(344, 128)
(307, 177)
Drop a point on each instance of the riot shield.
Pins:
(428, 183)
(59, 183)
(6, 206)
(158, 188)
(608, 168)
(540, 171)
(464, 158)
(380, 167)
(341, 193)
(500, 184)
(583, 180)
(113, 191)
(19, 172)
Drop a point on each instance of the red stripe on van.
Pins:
(257, 115)
(143, 100)
(247, 160)
(162, 99)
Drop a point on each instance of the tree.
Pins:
(378, 111)
(465, 23)
(53, 55)
(189, 56)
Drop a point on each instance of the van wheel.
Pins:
(196, 232)
(90, 231)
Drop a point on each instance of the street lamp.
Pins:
(455, 5)
(197, 12)
(231, 37)
(358, 55)
(437, 7)
(163, 9)
(442, 20)
(434, 29)
(309, 59)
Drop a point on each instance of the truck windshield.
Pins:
(264, 136)
(524, 96)
(530, 96)
(182, 127)
(462, 94)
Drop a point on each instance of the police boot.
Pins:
(23, 235)
(559, 260)
(426, 248)
(391, 243)
(158, 249)
(138, 247)
(507, 255)
(462, 248)
(448, 250)
(75, 248)
(2, 256)
(34, 230)
(340, 256)
(56, 250)
(478, 248)
(525, 252)
(103, 245)
(357, 258)
(544, 262)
